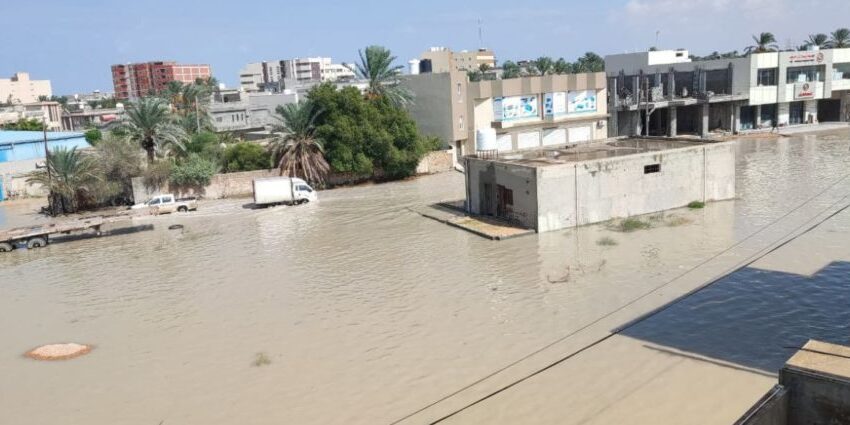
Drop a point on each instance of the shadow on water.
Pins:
(755, 318)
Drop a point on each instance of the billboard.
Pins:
(581, 101)
(555, 104)
(804, 91)
(515, 108)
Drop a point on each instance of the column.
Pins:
(734, 116)
(672, 121)
(757, 121)
(703, 128)
(637, 124)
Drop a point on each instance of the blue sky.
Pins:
(73, 42)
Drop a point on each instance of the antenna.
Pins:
(480, 35)
(657, 39)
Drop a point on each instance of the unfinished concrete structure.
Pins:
(760, 90)
(554, 189)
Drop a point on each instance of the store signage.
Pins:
(515, 108)
(581, 101)
(812, 57)
(555, 104)
(804, 91)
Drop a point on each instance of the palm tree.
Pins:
(561, 67)
(764, 42)
(544, 65)
(510, 70)
(69, 177)
(590, 62)
(840, 38)
(297, 151)
(817, 40)
(150, 124)
(376, 66)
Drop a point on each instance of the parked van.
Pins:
(282, 190)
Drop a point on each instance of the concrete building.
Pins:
(558, 188)
(81, 119)
(517, 114)
(242, 112)
(285, 74)
(137, 80)
(442, 59)
(761, 90)
(47, 112)
(20, 89)
(22, 151)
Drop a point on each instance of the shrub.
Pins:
(245, 157)
(93, 136)
(631, 224)
(156, 174)
(695, 205)
(194, 171)
(606, 241)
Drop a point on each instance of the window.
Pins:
(459, 87)
(841, 71)
(650, 169)
(460, 122)
(767, 77)
(805, 74)
(303, 188)
(154, 201)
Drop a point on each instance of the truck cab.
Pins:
(303, 191)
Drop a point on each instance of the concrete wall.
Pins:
(436, 162)
(482, 179)
(772, 409)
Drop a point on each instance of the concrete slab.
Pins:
(485, 227)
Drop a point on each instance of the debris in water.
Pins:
(175, 227)
(262, 359)
(59, 351)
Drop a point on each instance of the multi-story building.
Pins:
(279, 75)
(136, 80)
(20, 89)
(512, 115)
(48, 112)
(442, 59)
(761, 90)
(239, 111)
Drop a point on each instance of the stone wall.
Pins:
(436, 162)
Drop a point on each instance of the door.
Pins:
(504, 201)
(487, 202)
(796, 113)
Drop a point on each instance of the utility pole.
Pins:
(197, 115)
(47, 164)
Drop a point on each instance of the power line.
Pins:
(632, 302)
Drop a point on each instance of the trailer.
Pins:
(39, 236)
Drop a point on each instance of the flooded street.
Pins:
(366, 313)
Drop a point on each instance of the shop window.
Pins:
(767, 77)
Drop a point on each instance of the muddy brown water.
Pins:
(362, 310)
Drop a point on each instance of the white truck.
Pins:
(165, 204)
(282, 190)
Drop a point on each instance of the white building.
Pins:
(279, 75)
(20, 89)
(760, 90)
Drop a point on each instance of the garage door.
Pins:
(580, 134)
(554, 136)
(528, 140)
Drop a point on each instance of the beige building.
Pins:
(48, 112)
(20, 89)
(442, 59)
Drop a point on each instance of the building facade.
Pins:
(761, 90)
(442, 59)
(241, 112)
(23, 151)
(48, 112)
(285, 74)
(135, 80)
(21, 89)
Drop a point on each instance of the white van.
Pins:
(282, 190)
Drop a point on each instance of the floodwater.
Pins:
(358, 310)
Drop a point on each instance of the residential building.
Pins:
(510, 115)
(240, 112)
(20, 89)
(761, 90)
(285, 74)
(442, 59)
(79, 120)
(23, 151)
(136, 80)
(47, 112)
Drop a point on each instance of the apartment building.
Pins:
(137, 80)
(761, 90)
(513, 115)
(442, 59)
(19, 88)
(47, 112)
(278, 75)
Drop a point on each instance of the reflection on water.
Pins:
(366, 310)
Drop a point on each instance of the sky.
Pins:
(74, 42)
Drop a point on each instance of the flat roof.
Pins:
(592, 151)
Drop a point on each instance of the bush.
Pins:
(606, 241)
(194, 171)
(119, 160)
(245, 157)
(695, 205)
(93, 136)
(632, 224)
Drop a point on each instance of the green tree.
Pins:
(510, 70)
(544, 65)
(376, 66)
(24, 124)
(69, 177)
(561, 67)
(150, 124)
(119, 161)
(590, 62)
(840, 38)
(296, 150)
(195, 171)
(764, 42)
(245, 157)
(93, 136)
(817, 40)
(365, 136)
